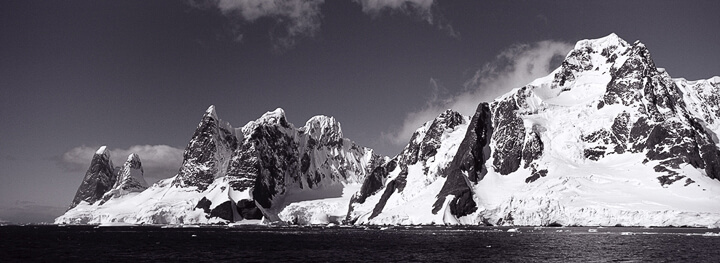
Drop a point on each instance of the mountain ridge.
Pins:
(601, 140)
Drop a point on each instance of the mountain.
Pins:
(267, 169)
(99, 179)
(607, 138)
(130, 179)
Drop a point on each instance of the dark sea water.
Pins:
(318, 244)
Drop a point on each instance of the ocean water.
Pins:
(391, 244)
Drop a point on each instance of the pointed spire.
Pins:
(101, 150)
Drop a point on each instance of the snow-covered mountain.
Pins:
(607, 138)
(129, 179)
(267, 169)
(99, 179)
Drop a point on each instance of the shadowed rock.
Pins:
(99, 179)
(469, 160)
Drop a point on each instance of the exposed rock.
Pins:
(474, 150)
(130, 179)
(533, 148)
(207, 154)
(374, 182)
(99, 179)
(223, 210)
(508, 135)
(469, 160)
(248, 209)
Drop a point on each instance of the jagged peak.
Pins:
(133, 157)
(321, 124)
(210, 112)
(274, 116)
(102, 150)
(610, 40)
(447, 113)
(211, 116)
(270, 118)
(133, 161)
(449, 118)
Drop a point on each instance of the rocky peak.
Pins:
(210, 112)
(99, 179)
(323, 129)
(601, 43)
(271, 118)
(130, 179)
(609, 72)
(427, 139)
(209, 149)
(602, 55)
(133, 161)
(276, 116)
(103, 151)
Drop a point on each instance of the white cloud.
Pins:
(158, 161)
(420, 8)
(375, 6)
(302, 18)
(296, 18)
(513, 68)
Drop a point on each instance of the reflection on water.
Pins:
(390, 243)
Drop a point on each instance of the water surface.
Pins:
(393, 244)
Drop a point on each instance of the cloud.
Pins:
(376, 6)
(420, 8)
(158, 161)
(295, 19)
(512, 68)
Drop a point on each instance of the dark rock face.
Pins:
(129, 179)
(244, 167)
(374, 182)
(99, 179)
(665, 129)
(509, 135)
(205, 154)
(621, 131)
(204, 204)
(223, 210)
(711, 155)
(469, 160)
(248, 209)
(276, 157)
(533, 147)
(269, 157)
(474, 150)
(425, 148)
(389, 190)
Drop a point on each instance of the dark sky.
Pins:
(138, 75)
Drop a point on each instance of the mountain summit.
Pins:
(607, 138)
